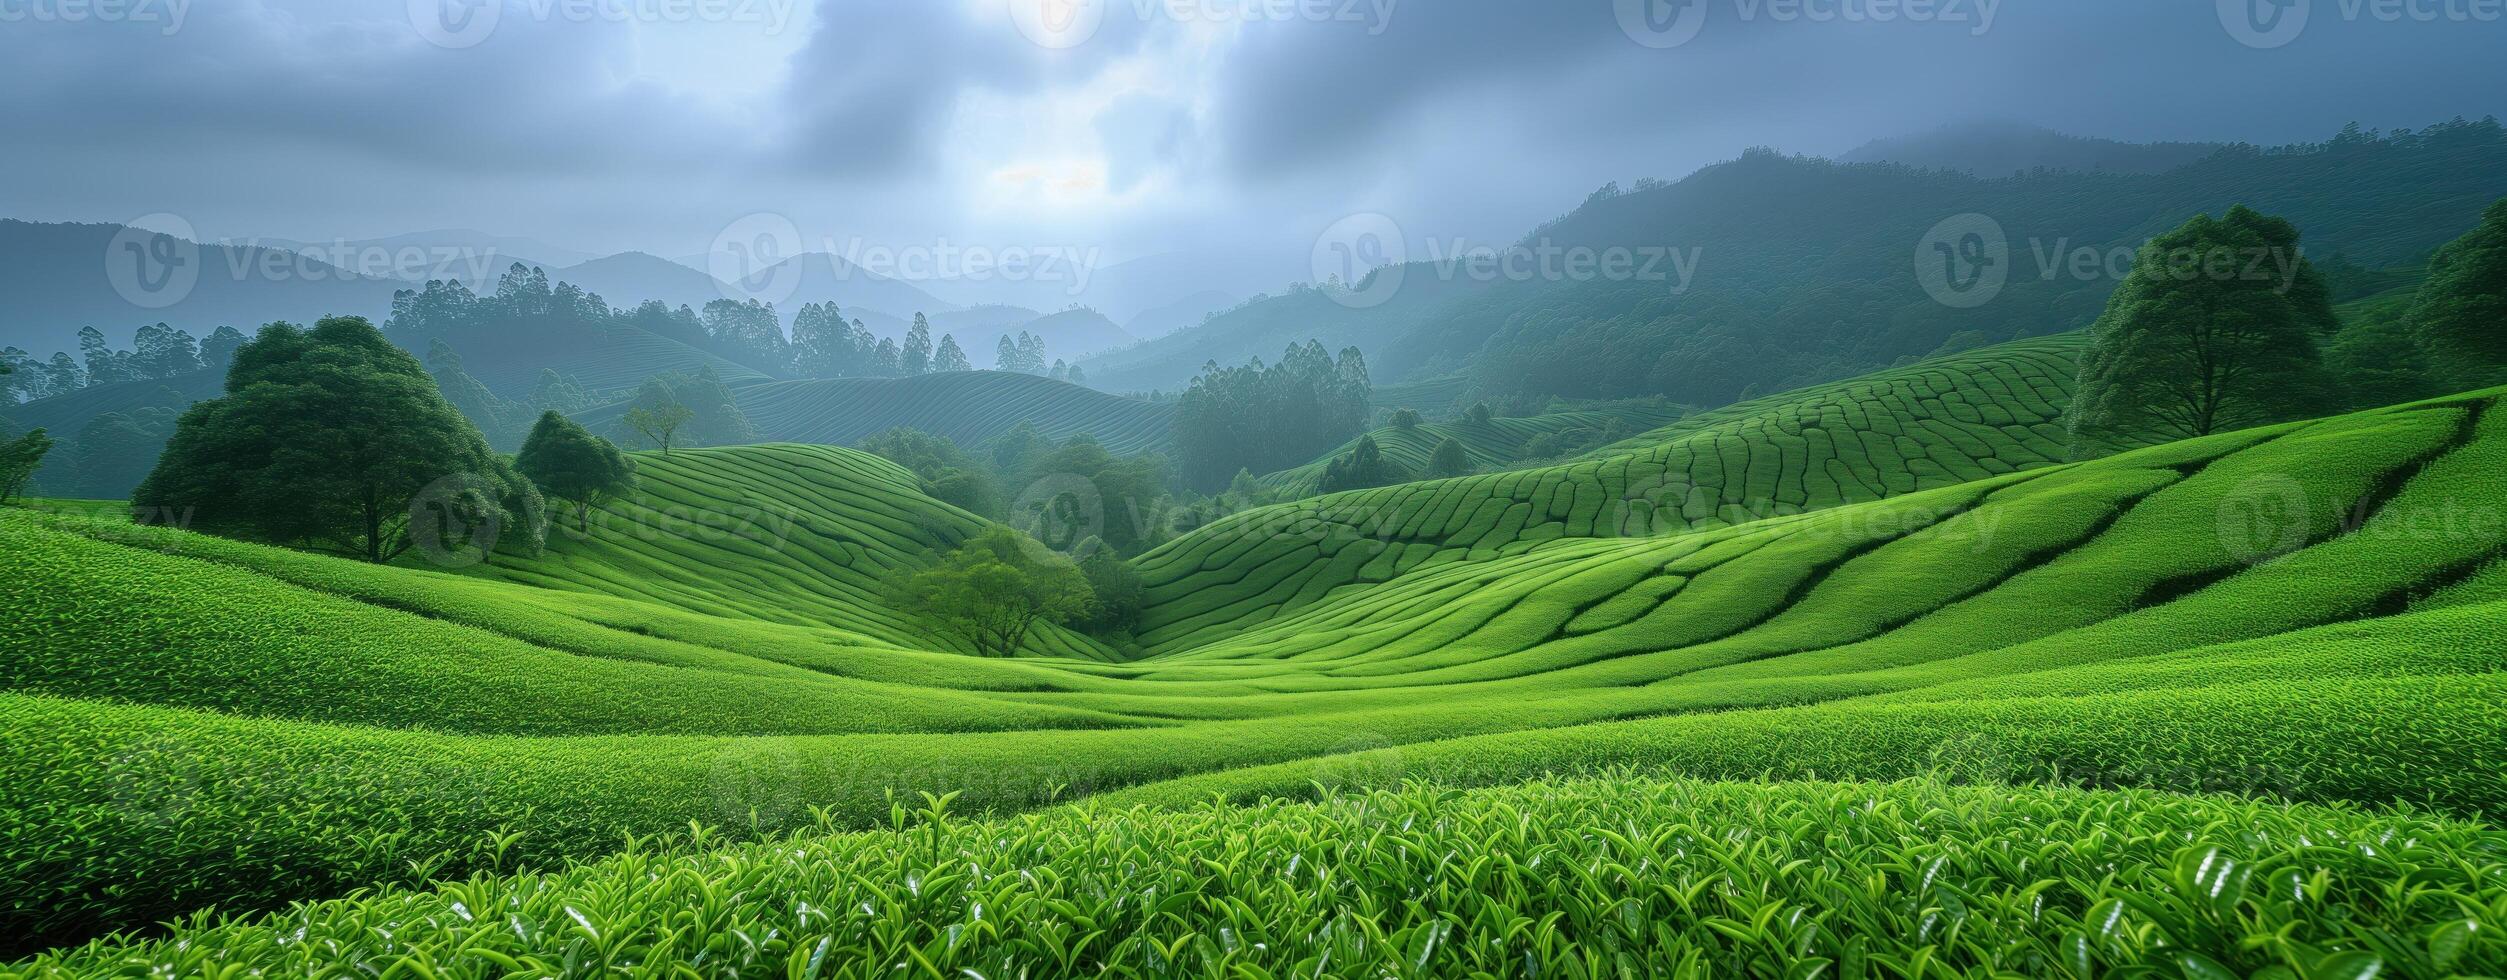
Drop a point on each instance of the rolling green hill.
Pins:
(967, 408)
(1932, 425)
(2202, 615)
(1500, 443)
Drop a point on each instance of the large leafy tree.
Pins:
(2214, 329)
(1361, 467)
(699, 408)
(995, 589)
(333, 438)
(19, 458)
(571, 464)
(2461, 312)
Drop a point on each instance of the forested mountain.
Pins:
(1803, 268)
(56, 278)
(2000, 149)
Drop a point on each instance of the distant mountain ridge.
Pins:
(2000, 149)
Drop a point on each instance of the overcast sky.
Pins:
(1132, 126)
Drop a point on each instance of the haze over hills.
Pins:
(1771, 272)
(2001, 149)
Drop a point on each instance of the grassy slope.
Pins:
(2120, 603)
(1933, 425)
(1500, 443)
(968, 408)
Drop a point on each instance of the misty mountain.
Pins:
(471, 257)
(1186, 312)
(1802, 269)
(56, 278)
(2000, 149)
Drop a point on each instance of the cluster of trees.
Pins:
(995, 589)
(2188, 347)
(1073, 495)
(336, 439)
(685, 409)
(1023, 354)
(157, 351)
(1267, 417)
(825, 345)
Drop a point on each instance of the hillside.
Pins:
(2083, 623)
(56, 278)
(1991, 149)
(1801, 268)
(968, 408)
(1929, 426)
(1073, 334)
(1501, 443)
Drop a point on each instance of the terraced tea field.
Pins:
(966, 407)
(1934, 425)
(513, 755)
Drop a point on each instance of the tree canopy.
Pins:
(334, 438)
(2215, 328)
(2461, 312)
(571, 464)
(995, 589)
(1269, 417)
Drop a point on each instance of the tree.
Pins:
(555, 392)
(1031, 353)
(946, 473)
(995, 589)
(571, 464)
(1078, 377)
(1481, 414)
(19, 458)
(219, 350)
(914, 358)
(823, 344)
(2378, 362)
(1116, 586)
(659, 423)
(159, 351)
(104, 364)
(713, 416)
(2461, 311)
(951, 359)
(886, 361)
(1405, 419)
(1005, 354)
(335, 438)
(1268, 417)
(1450, 460)
(749, 330)
(1361, 467)
(2214, 329)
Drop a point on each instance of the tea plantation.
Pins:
(1862, 681)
